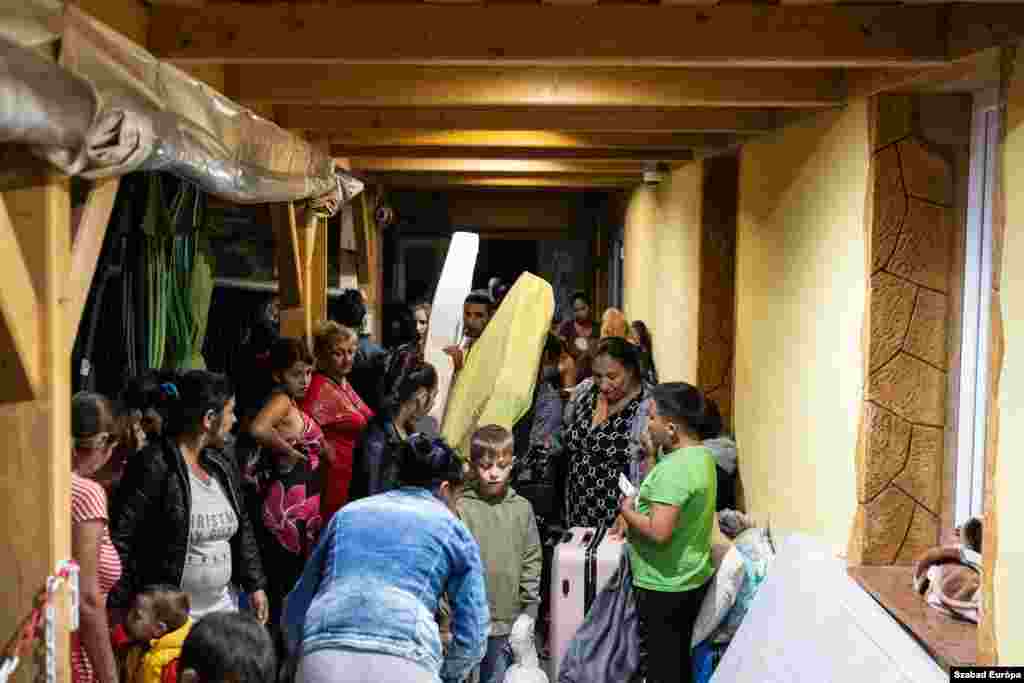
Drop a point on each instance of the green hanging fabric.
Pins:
(179, 312)
(158, 230)
(202, 295)
(171, 238)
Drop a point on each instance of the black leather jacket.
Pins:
(150, 521)
(374, 469)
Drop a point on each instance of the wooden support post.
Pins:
(88, 243)
(371, 266)
(35, 474)
(316, 272)
(348, 259)
(19, 318)
(289, 270)
(302, 270)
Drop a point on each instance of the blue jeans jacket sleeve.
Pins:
(471, 615)
(298, 601)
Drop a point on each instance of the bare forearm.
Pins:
(642, 524)
(272, 439)
(95, 635)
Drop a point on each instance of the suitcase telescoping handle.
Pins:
(590, 566)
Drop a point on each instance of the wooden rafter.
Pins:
(85, 250)
(559, 119)
(19, 316)
(420, 86)
(532, 153)
(731, 35)
(496, 166)
(979, 68)
(525, 139)
(567, 181)
(979, 26)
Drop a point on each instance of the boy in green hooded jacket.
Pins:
(504, 526)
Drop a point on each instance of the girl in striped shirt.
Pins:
(92, 426)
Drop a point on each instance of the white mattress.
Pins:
(811, 623)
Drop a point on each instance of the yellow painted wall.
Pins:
(662, 269)
(1009, 595)
(801, 282)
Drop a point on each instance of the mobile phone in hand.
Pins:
(626, 486)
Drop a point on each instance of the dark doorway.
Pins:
(506, 259)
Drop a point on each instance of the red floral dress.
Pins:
(343, 417)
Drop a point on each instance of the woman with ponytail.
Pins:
(92, 429)
(178, 516)
(364, 608)
(375, 465)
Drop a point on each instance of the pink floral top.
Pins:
(291, 500)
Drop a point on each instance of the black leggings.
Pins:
(667, 621)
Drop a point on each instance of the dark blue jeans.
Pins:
(497, 660)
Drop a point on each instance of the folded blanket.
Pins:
(950, 579)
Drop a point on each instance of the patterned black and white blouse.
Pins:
(596, 457)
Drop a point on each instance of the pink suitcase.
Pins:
(584, 560)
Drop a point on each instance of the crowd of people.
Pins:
(313, 525)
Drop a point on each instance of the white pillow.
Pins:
(722, 591)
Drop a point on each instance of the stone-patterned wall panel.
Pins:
(912, 389)
(920, 148)
(890, 207)
(886, 521)
(922, 534)
(923, 251)
(926, 174)
(892, 303)
(927, 335)
(895, 119)
(922, 476)
(888, 440)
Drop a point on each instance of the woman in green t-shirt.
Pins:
(669, 527)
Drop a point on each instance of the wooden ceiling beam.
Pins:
(421, 86)
(560, 119)
(493, 166)
(727, 35)
(498, 153)
(526, 139)
(979, 70)
(977, 27)
(506, 181)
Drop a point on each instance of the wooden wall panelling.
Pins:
(717, 336)
(35, 476)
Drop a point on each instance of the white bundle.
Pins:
(526, 664)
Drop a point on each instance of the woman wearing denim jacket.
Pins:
(364, 607)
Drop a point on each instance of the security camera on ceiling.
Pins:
(654, 173)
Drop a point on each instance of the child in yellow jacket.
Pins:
(151, 637)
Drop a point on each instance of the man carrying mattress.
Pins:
(476, 313)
